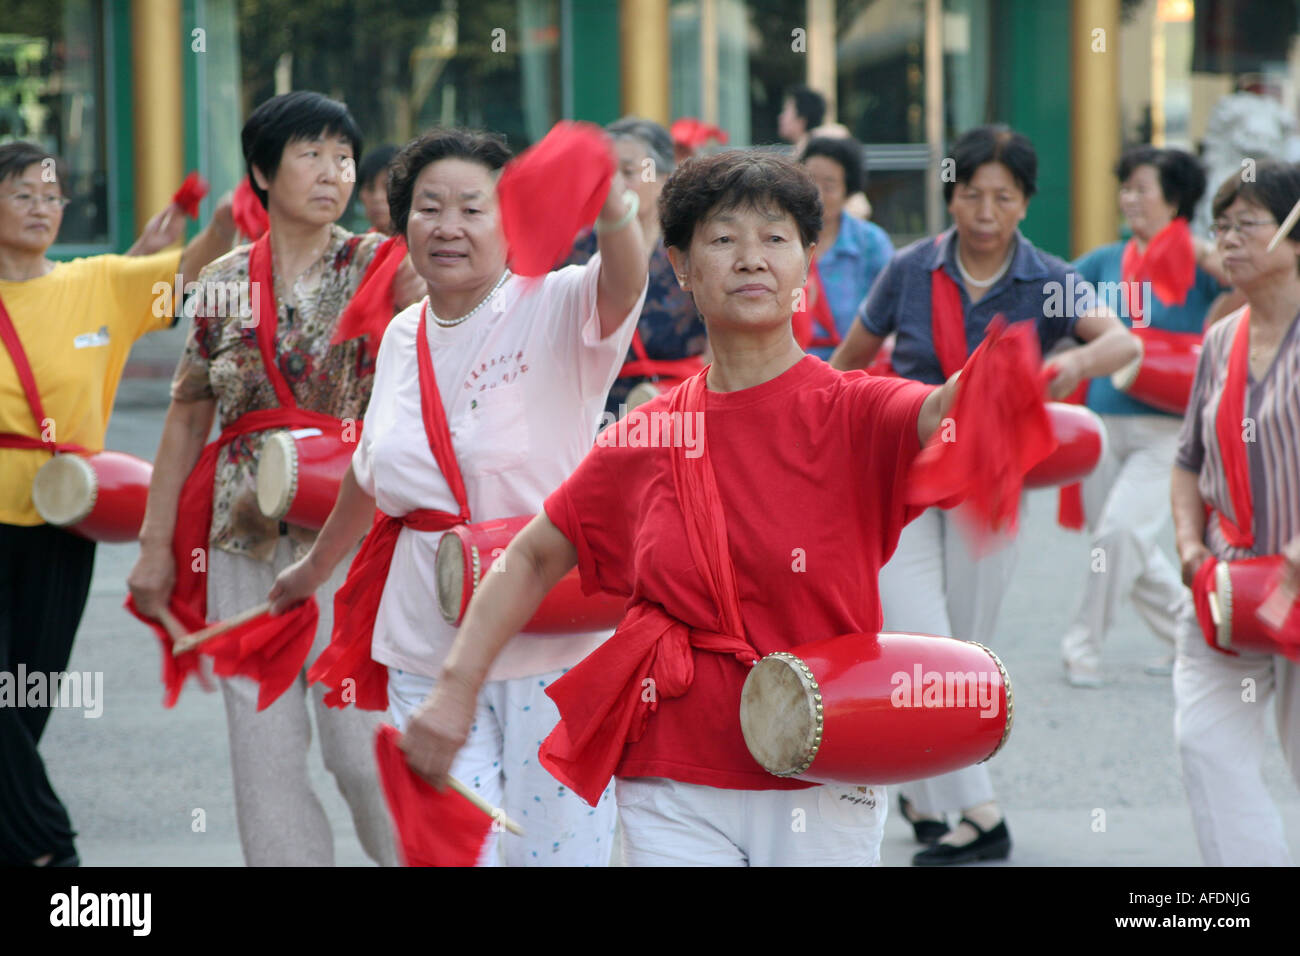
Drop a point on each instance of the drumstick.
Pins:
(191, 641)
(1283, 229)
(483, 805)
(172, 626)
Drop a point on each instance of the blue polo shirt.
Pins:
(900, 301)
(1103, 265)
(849, 268)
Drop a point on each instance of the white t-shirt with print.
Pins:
(523, 385)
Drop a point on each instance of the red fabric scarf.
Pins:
(268, 650)
(356, 603)
(372, 306)
(1169, 264)
(190, 194)
(550, 192)
(1228, 429)
(434, 827)
(947, 322)
(646, 367)
(248, 212)
(9, 336)
(999, 431)
(817, 312)
(1069, 499)
(600, 700)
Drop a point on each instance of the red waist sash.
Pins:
(9, 336)
(645, 367)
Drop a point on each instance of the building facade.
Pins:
(133, 93)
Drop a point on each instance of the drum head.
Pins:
(780, 714)
(641, 393)
(1124, 378)
(449, 566)
(1223, 587)
(64, 490)
(277, 475)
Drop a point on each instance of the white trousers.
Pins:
(281, 820)
(499, 760)
(1126, 500)
(934, 584)
(1220, 705)
(668, 823)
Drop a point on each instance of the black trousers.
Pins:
(44, 582)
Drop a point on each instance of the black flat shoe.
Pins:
(994, 844)
(926, 831)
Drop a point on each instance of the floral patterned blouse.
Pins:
(222, 362)
(670, 325)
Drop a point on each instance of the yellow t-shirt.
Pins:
(77, 324)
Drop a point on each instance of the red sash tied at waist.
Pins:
(606, 700)
(189, 598)
(9, 336)
(356, 603)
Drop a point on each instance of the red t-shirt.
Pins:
(811, 468)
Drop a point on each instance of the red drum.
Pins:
(860, 709)
(1081, 439)
(1162, 375)
(466, 552)
(1240, 588)
(299, 474)
(100, 496)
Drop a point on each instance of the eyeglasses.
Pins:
(30, 201)
(1220, 228)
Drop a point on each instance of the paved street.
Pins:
(133, 778)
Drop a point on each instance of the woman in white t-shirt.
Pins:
(521, 367)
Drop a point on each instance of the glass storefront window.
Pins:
(880, 66)
(52, 93)
(407, 65)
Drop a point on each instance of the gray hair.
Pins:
(658, 144)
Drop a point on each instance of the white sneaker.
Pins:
(1083, 675)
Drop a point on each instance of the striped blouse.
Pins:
(1271, 431)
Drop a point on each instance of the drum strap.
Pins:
(646, 367)
(601, 700)
(815, 302)
(1228, 431)
(9, 335)
(356, 603)
(947, 322)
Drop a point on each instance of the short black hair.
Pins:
(707, 184)
(841, 149)
(376, 162)
(16, 157)
(995, 143)
(474, 146)
(1182, 180)
(290, 117)
(1275, 187)
(809, 104)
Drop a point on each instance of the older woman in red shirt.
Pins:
(702, 539)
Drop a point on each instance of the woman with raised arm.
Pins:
(794, 467)
(66, 329)
(487, 395)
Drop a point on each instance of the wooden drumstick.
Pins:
(191, 641)
(1286, 226)
(172, 626)
(483, 805)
